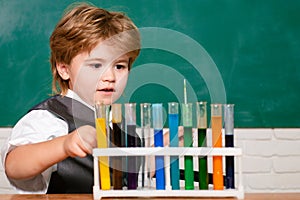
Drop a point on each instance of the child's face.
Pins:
(100, 76)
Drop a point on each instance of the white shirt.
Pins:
(36, 126)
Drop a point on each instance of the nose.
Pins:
(108, 75)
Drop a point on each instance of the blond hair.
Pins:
(81, 28)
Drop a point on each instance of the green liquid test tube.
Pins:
(187, 118)
(202, 142)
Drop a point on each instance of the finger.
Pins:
(75, 150)
(85, 146)
(91, 139)
(180, 131)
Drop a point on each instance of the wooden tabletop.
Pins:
(273, 196)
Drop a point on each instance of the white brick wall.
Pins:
(271, 159)
(5, 187)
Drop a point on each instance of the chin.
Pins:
(108, 101)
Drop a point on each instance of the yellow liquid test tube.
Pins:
(102, 143)
(216, 126)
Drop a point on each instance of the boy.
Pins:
(49, 149)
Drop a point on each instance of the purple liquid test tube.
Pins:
(229, 142)
(132, 168)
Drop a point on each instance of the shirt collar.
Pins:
(73, 95)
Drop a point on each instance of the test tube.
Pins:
(102, 142)
(132, 137)
(173, 135)
(145, 129)
(216, 126)
(187, 118)
(117, 135)
(202, 142)
(229, 142)
(157, 116)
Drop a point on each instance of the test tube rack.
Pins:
(238, 192)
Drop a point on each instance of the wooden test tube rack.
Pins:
(168, 151)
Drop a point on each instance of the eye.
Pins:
(121, 66)
(96, 65)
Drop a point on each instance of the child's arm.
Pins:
(29, 160)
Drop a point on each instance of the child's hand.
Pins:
(180, 137)
(81, 141)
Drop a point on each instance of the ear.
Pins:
(63, 71)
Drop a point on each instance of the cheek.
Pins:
(120, 86)
(122, 82)
(85, 85)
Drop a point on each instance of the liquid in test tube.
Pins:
(173, 135)
(102, 142)
(229, 142)
(132, 137)
(157, 116)
(117, 135)
(145, 129)
(202, 142)
(216, 126)
(187, 118)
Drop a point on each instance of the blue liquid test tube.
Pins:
(132, 168)
(157, 116)
(229, 142)
(173, 135)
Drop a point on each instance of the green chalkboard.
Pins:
(245, 52)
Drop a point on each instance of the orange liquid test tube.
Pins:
(102, 143)
(216, 126)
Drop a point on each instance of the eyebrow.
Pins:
(120, 59)
(123, 58)
(93, 60)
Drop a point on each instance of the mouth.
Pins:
(106, 90)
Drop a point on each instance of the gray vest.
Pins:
(73, 175)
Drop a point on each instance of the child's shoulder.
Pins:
(53, 100)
